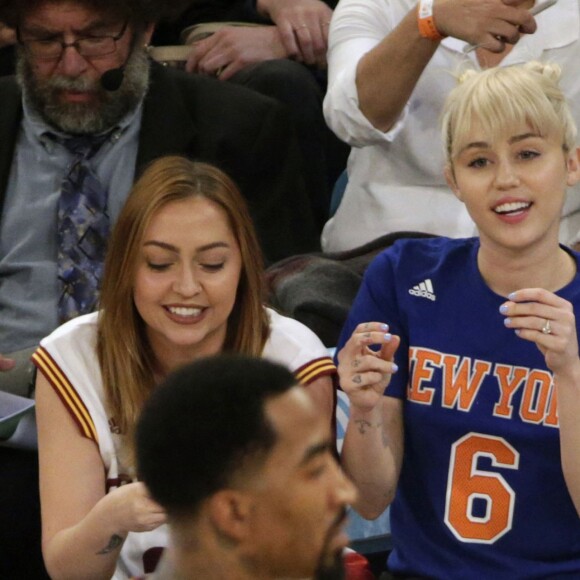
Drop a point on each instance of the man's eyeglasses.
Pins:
(88, 46)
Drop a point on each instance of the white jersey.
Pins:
(68, 360)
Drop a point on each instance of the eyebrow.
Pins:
(175, 249)
(486, 145)
(316, 450)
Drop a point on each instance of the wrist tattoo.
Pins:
(114, 542)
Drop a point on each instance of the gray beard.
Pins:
(84, 118)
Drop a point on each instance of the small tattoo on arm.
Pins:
(363, 425)
(357, 379)
(114, 542)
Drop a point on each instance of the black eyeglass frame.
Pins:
(77, 44)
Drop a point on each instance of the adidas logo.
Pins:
(423, 290)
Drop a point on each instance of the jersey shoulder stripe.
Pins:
(314, 369)
(66, 392)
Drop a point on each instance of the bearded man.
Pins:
(83, 71)
(86, 112)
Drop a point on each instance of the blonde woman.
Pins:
(465, 413)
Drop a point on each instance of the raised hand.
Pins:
(365, 373)
(547, 320)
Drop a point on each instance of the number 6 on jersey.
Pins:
(467, 484)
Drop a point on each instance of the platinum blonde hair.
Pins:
(500, 98)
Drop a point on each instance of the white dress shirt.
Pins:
(395, 179)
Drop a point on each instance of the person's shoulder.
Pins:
(208, 90)
(411, 255)
(435, 248)
(293, 344)
(8, 83)
(289, 329)
(10, 94)
(76, 331)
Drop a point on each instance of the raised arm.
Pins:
(83, 529)
(390, 55)
(373, 445)
(548, 320)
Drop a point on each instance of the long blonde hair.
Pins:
(125, 357)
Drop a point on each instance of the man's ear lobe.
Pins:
(450, 178)
(573, 165)
(148, 33)
(230, 511)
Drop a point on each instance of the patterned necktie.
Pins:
(83, 229)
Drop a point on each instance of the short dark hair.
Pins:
(137, 11)
(205, 424)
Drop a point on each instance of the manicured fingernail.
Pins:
(388, 337)
(507, 321)
(517, 331)
(512, 296)
(384, 327)
(395, 368)
(503, 308)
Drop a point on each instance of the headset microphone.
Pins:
(112, 79)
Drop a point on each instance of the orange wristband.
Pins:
(427, 28)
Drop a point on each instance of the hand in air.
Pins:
(486, 23)
(547, 320)
(364, 374)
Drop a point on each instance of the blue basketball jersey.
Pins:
(481, 492)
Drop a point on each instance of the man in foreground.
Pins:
(233, 449)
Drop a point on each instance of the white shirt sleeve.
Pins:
(357, 27)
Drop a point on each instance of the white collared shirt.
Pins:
(395, 179)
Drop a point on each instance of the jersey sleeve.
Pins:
(65, 358)
(377, 301)
(295, 346)
(66, 392)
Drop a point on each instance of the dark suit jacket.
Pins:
(247, 135)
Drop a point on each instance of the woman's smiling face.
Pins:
(513, 186)
(187, 279)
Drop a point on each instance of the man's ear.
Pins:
(573, 165)
(450, 178)
(230, 512)
(148, 32)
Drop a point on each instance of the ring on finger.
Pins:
(547, 328)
